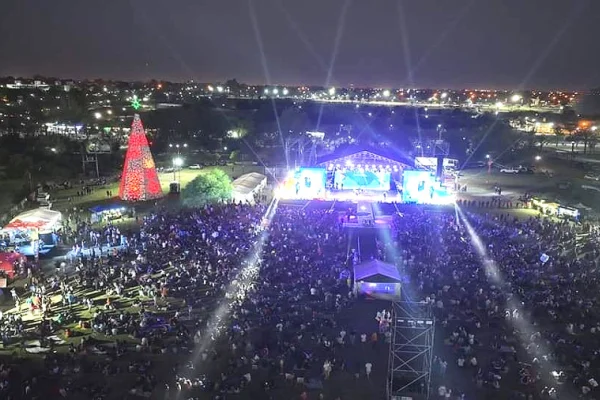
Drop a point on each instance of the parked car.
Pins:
(510, 170)
(592, 177)
(195, 166)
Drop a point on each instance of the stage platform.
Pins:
(349, 196)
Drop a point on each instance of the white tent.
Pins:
(377, 279)
(248, 185)
(42, 219)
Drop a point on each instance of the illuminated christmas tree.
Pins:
(139, 180)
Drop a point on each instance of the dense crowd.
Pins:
(206, 303)
(515, 302)
(233, 301)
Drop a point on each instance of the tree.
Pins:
(210, 186)
(588, 137)
(558, 133)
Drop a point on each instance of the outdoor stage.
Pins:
(365, 176)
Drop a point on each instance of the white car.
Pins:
(592, 177)
(195, 166)
(510, 170)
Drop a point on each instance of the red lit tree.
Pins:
(139, 180)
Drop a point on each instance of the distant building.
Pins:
(37, 84)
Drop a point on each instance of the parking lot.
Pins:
(553, 181)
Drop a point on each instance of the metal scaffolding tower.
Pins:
(302, 150)
(411, 351)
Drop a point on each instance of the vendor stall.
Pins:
(106, 213)
(41, 219)
(32, 232)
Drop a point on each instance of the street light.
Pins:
(178, 146)
(487, 156)
(538, 158)
(97, 115)
(177, 163)
(225, 148)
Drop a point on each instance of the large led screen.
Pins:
(421, 187)
(362, 179)
(309, 183)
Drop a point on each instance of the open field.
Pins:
(99, 196)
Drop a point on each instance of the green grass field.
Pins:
(98, 196)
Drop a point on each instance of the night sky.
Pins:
(383, 43)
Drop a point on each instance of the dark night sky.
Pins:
(441, 43)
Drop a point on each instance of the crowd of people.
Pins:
(211, 303)
(515, 302)
(237, 301)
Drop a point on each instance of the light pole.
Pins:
(177, 163)
(177, 160)
(178, 147)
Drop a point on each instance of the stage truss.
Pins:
(411, 351)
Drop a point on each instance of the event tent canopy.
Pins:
(247, 186)
(43, 219)
(376, 271)
(247, 183)
(106, 207)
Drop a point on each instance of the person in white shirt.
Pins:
(368, 367)
(326, 369)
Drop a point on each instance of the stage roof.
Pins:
(353, 152)
(376, 271)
